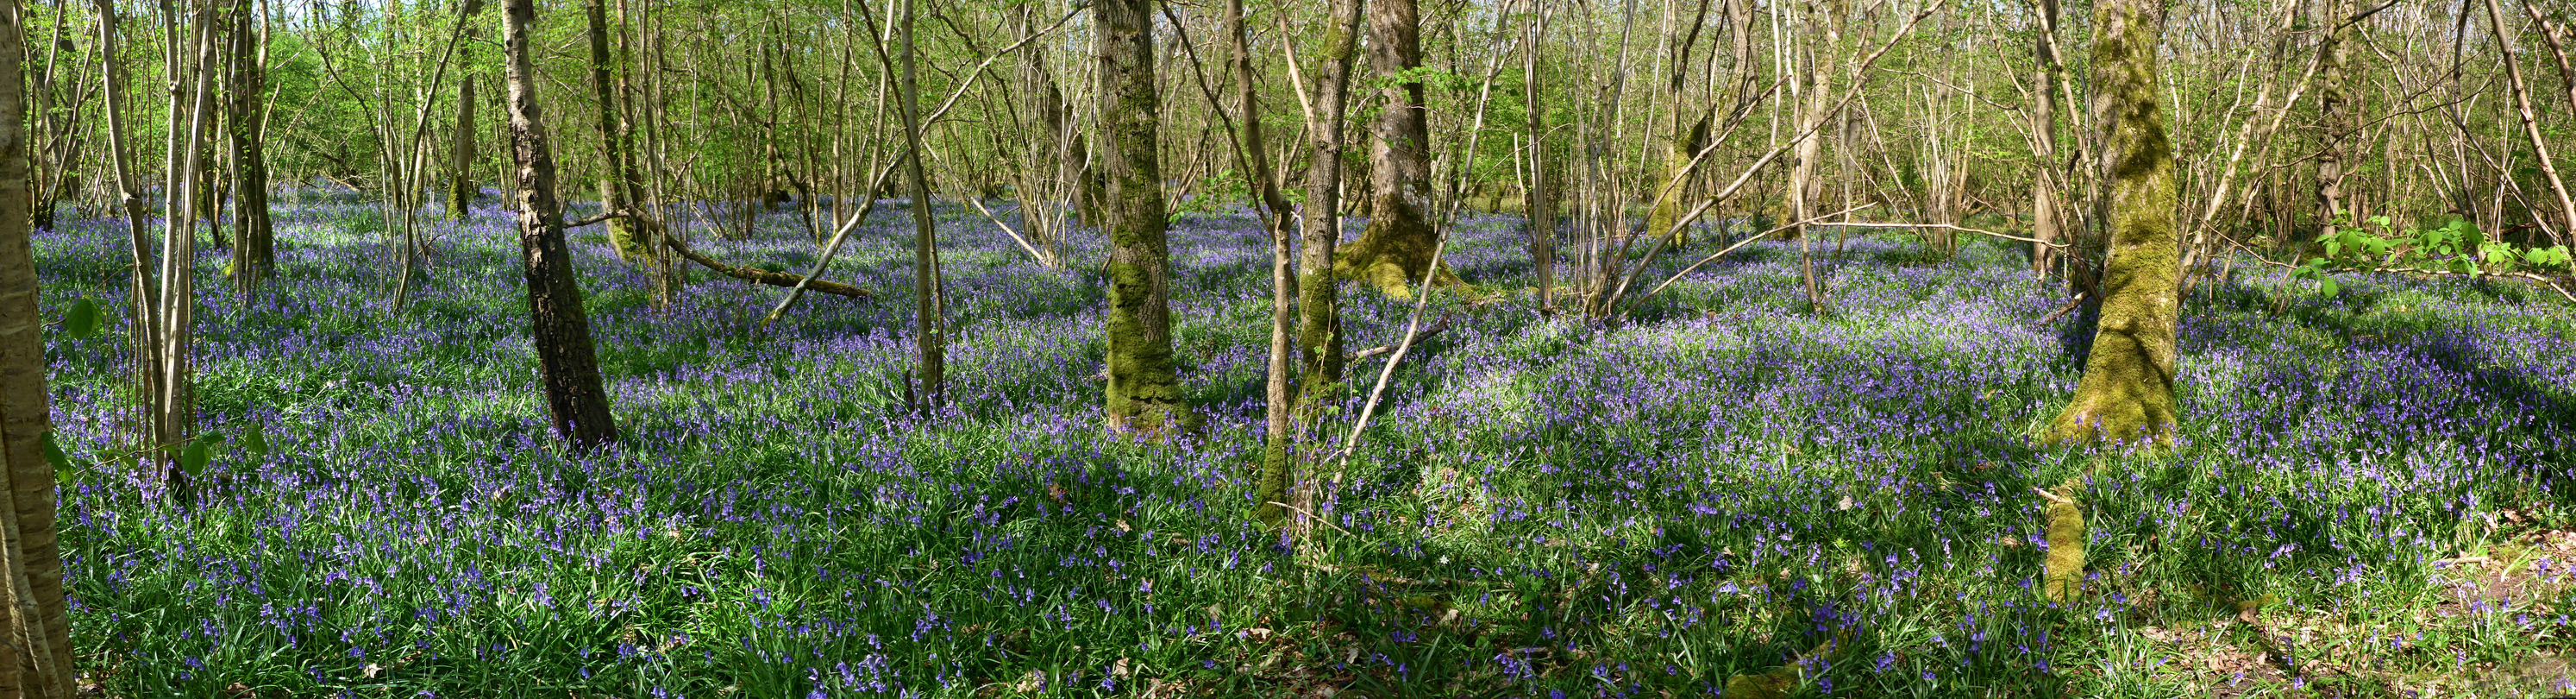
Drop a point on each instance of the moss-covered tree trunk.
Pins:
(37, 659)
(566, 363)
(1144, 392)
(1690, 126)
(1319, 319)
(2127, 391)
(1395, 249)
(618, 187)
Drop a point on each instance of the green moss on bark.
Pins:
(2127, 391)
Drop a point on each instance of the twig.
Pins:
(2071, 305)
(1962, 229)
(1748, 240)
(1311, 517)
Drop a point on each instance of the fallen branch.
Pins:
(762, 276)
(1427, 334)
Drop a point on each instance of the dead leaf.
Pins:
(238, 691)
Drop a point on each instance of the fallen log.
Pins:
(762, 276)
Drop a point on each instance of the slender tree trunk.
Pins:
(1144, 390)
(2127, 389)
(1539, 202)
(1319, 321)
(36, 657)
(460, 154)
(1803, 185)
(2531, 124)
(930, 332)
(1396, 246)
(617, 181)
(1278, 461)
(193, 104)
(254, 237)
(2043, 141)
(145, 297)
(566, 363)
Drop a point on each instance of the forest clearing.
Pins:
(1313, 348)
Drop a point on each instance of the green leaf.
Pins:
(192, 459)
(2326, 286)
(82, 320)
(53, 452)
(255, 441)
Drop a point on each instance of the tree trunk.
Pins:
(2333, 110)
(1539, 202)
(2043, 141)
(1396, 247)
(2529, 116)
(254, 238)
(1803, 184)
(565, 362)
(192, 104)
(1690, 131)
(930, 330)
(460, 154)
(145, 296)
(1278, 460)
(36, 660)
(617, 182)
(1144, 391)
(2127, 389)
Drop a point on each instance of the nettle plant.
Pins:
(2455, 248)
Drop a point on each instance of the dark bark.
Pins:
(566, 363)
(1144, 389)
(2127, 390)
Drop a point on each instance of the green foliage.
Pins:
(82, 320)
(2455, 247)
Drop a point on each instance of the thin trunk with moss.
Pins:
(617, 181)
(460, 153)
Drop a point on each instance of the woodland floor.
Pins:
(2371, 496)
